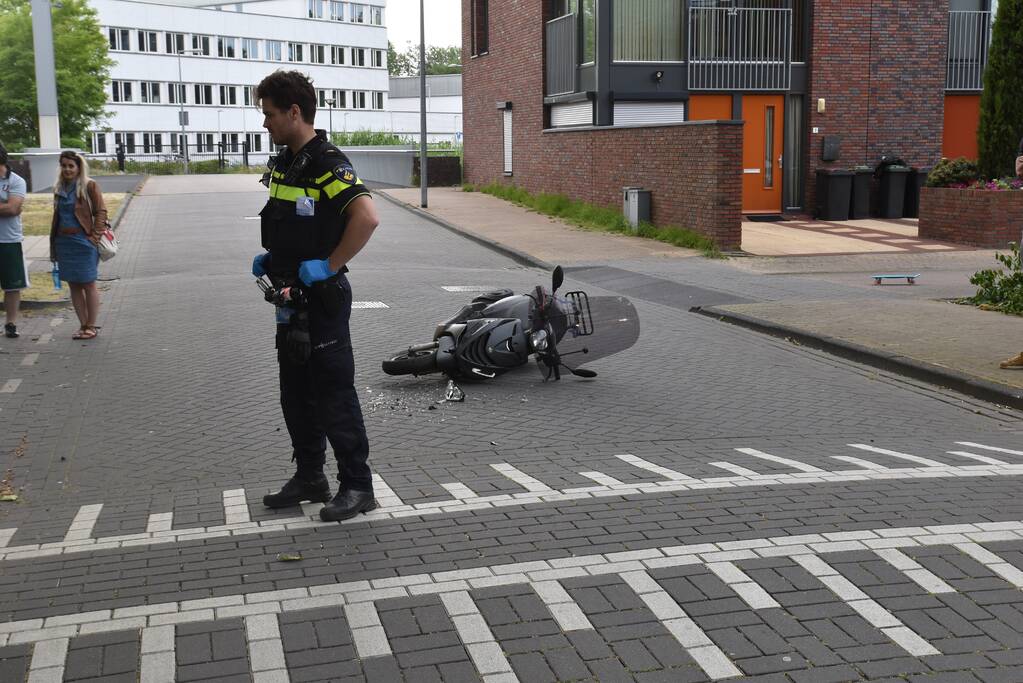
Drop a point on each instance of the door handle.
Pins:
(780, 156)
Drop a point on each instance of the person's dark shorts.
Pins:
(13, 271)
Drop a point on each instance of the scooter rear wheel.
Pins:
(412, 362)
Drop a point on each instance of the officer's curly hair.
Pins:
(285, 88)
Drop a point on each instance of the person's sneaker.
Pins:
(1014, 363)
(11, 331)
(298, 490)
(347, 504)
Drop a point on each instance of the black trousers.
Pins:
(319, 399)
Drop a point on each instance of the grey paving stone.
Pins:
(532, 666)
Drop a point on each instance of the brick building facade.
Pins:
(873, 76)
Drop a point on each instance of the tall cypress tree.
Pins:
(1001, 103)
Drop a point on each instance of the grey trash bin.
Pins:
(636, 205)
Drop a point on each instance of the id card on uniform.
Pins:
(305, 206)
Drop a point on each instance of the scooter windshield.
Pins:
(615, 325)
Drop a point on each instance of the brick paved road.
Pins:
(715, 504)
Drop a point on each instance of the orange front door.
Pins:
(762, 152)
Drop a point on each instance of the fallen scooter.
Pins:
(500, 331)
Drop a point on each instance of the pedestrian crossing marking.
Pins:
(30, 359)
(468, 288)
(369, 304)
(982, 447)
(979, 458)
(794, 464)
(926, 462)
(238, 522)
(357, 600)
(10, 386)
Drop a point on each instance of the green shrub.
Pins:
(1001, 102)
(999, 289)
(591, 217)
(953, 173)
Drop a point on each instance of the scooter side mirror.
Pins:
(559, 278)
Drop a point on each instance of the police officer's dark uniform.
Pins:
(304, 220)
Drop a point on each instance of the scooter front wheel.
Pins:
(413, 361)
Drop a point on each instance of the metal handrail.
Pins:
(562, 55)
(740, 48)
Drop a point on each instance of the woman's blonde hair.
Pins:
(83, 174)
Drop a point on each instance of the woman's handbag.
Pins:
(107, 245)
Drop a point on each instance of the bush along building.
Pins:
(719, 108)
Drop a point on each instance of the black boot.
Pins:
(347, 504)
(316, 490)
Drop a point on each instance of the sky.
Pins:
(443, 22)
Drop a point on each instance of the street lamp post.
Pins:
(181, 107)
(330, 125)
(422, 105)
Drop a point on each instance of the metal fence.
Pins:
(170, 159)
(969, 37)
(562, 55)
(740, 49)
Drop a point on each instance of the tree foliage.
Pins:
(1001, 103)
(82, 66)
(439, 60)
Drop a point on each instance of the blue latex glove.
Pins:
(259, 264)
(314, 271)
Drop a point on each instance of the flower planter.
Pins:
(978, 218)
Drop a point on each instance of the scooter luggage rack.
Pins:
(584, 324)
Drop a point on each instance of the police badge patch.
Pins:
(345, 173)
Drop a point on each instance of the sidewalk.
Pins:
(894, 327)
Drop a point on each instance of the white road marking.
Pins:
(392, 507)
(56, 322)
(369, 304)
(45, 338)
(979, 458)
(521, 478)
(30, 359)
(735, 469)
(236, 508)
(10, 386)
(266, 649)
(794, 464)
(669, 474)
(565, 610)
(862, 464)
(468, 288)
(746, 588)
(926, 462)
(48, 658)
(686, 631)
(83, 523)
(996, 449)
(996, 564)
(157, 663)
(474, 632)
(876, 615)
(460, 491)
(917, 573)
(602, 479)
(159, 521)
(367, 631)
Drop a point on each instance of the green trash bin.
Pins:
(834, 187)
(917, 179)
(860, 205)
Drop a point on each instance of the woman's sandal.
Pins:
(85, 333)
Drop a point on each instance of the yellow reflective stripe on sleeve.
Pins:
(290, 193)
(278, 174)
(336, 187)
(324, 176)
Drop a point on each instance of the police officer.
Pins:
(318, 217)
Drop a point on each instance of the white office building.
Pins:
(224, 52)
(443, 107)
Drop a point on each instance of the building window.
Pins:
(150, 92)
(99, 143)
(480, 19)
(204, 142)
(248, 95)
(318, 54)
(174, 140)
(294, 52)
(376, 15)
(358, 100)
(176, 93)
(378, 100)
(358, 56)
(273, 50)
(121, 91)
(359, 14)
(226, 47)
(255, 141)
(147, 41)
(152, 143)
(202, 44)
(250, 48)
(378, 58)
(337, 54)
(203, 94)
(337, 11)
(340, 99)
(125, 140)
(119, 39)
(649, 32)
(507, 141)
(228, 95)
(589, 13)
(315, 9)
(175, 43)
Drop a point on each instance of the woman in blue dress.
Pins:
(79, 218)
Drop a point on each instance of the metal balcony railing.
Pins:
(740, 49)
(562, 55)
(969, 37)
